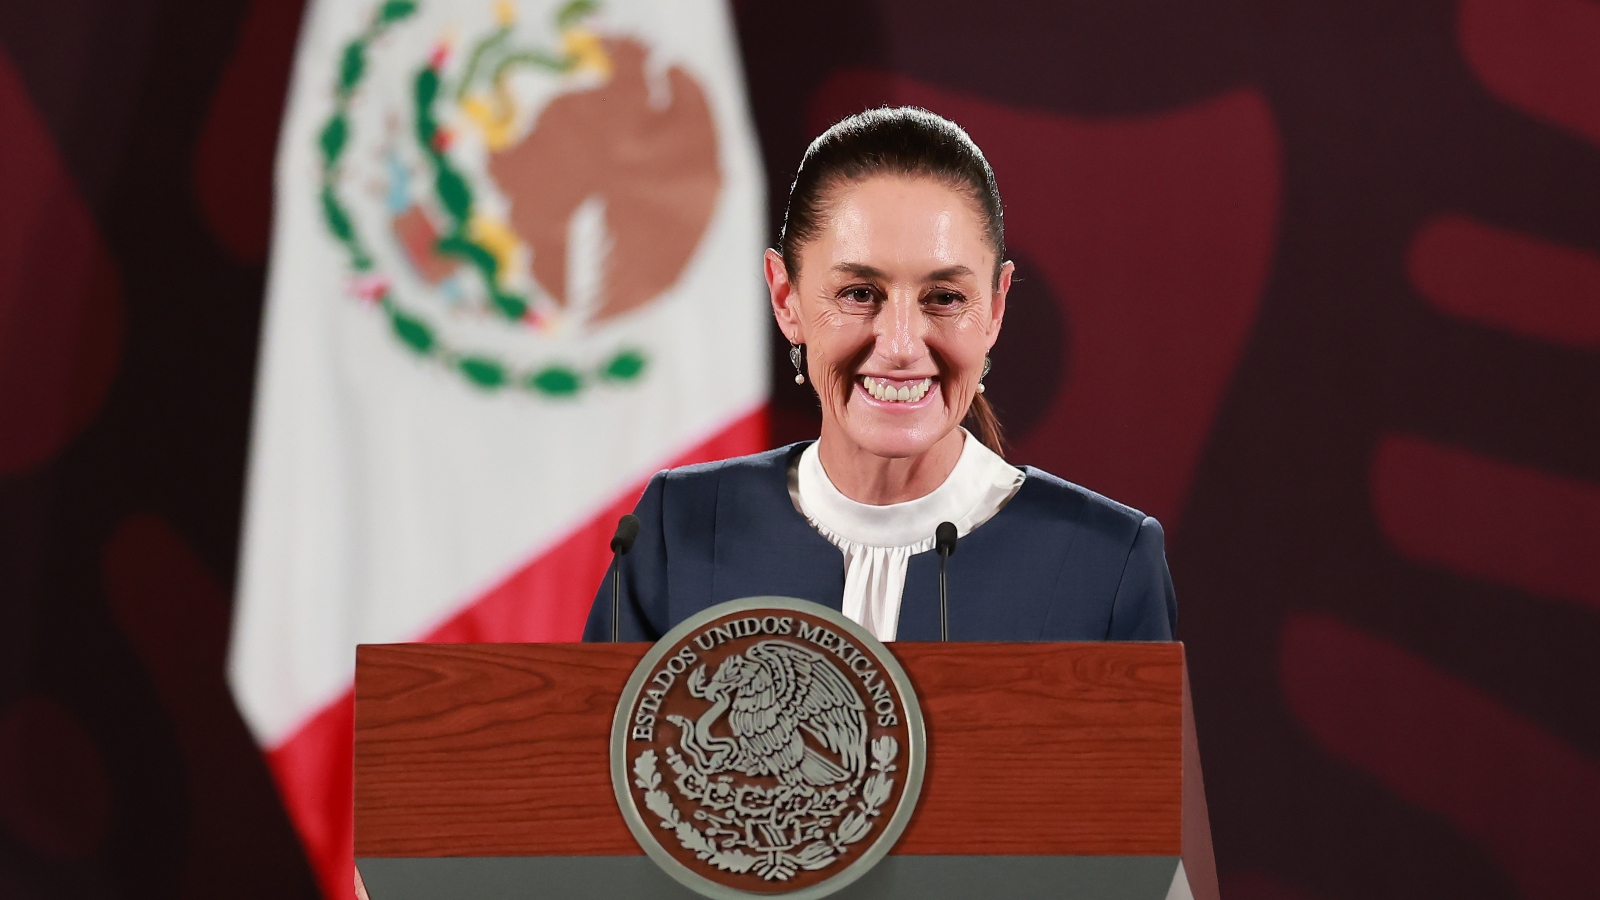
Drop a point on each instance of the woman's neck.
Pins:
(879, 480)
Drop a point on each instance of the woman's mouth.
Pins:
(890, 391)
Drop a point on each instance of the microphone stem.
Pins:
(616, 594)
(944, 541)
(944, 600)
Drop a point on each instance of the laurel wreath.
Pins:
(777, 865)
(455, 197)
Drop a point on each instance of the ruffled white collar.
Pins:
(975, 489)
(878, 541)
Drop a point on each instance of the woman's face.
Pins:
(896, 304)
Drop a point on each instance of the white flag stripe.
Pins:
(387, 489)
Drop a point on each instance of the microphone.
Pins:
(621, 543)
(944, 541)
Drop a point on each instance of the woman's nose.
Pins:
(900, 328)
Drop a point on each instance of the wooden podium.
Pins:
(1054, 770)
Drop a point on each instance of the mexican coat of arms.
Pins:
(767, 746)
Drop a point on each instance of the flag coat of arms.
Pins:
(515, 271)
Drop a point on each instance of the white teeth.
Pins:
(907, 393)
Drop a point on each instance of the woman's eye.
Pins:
(859, 295)
(945, 298)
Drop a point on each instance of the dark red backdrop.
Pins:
(1317, 283)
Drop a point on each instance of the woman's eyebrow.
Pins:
(949, 273)
(859, 270)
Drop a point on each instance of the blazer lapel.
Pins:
(765, 547)
(1002, 579)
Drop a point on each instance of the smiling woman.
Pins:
(890, 283)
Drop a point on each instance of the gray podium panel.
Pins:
(895, 878)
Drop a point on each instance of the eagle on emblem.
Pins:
(773, 695)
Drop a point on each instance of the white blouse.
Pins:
(878, 541)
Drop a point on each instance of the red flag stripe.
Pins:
(546, 600)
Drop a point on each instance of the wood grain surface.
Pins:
(502, 749)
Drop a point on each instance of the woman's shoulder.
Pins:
(1052, 497)
(764, 466)
(1110, 551)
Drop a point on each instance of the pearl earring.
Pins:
(797, 359)
(984, 374)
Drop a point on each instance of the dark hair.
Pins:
(905, 141)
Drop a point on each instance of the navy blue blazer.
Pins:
(1057, 563)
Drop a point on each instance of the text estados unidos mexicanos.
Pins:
(859, 664)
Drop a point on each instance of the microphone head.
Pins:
(944, 538)
(627, 533)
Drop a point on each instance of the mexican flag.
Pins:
(515, 271)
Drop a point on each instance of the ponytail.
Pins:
(982, 420)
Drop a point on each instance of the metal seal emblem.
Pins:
(767, 746)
